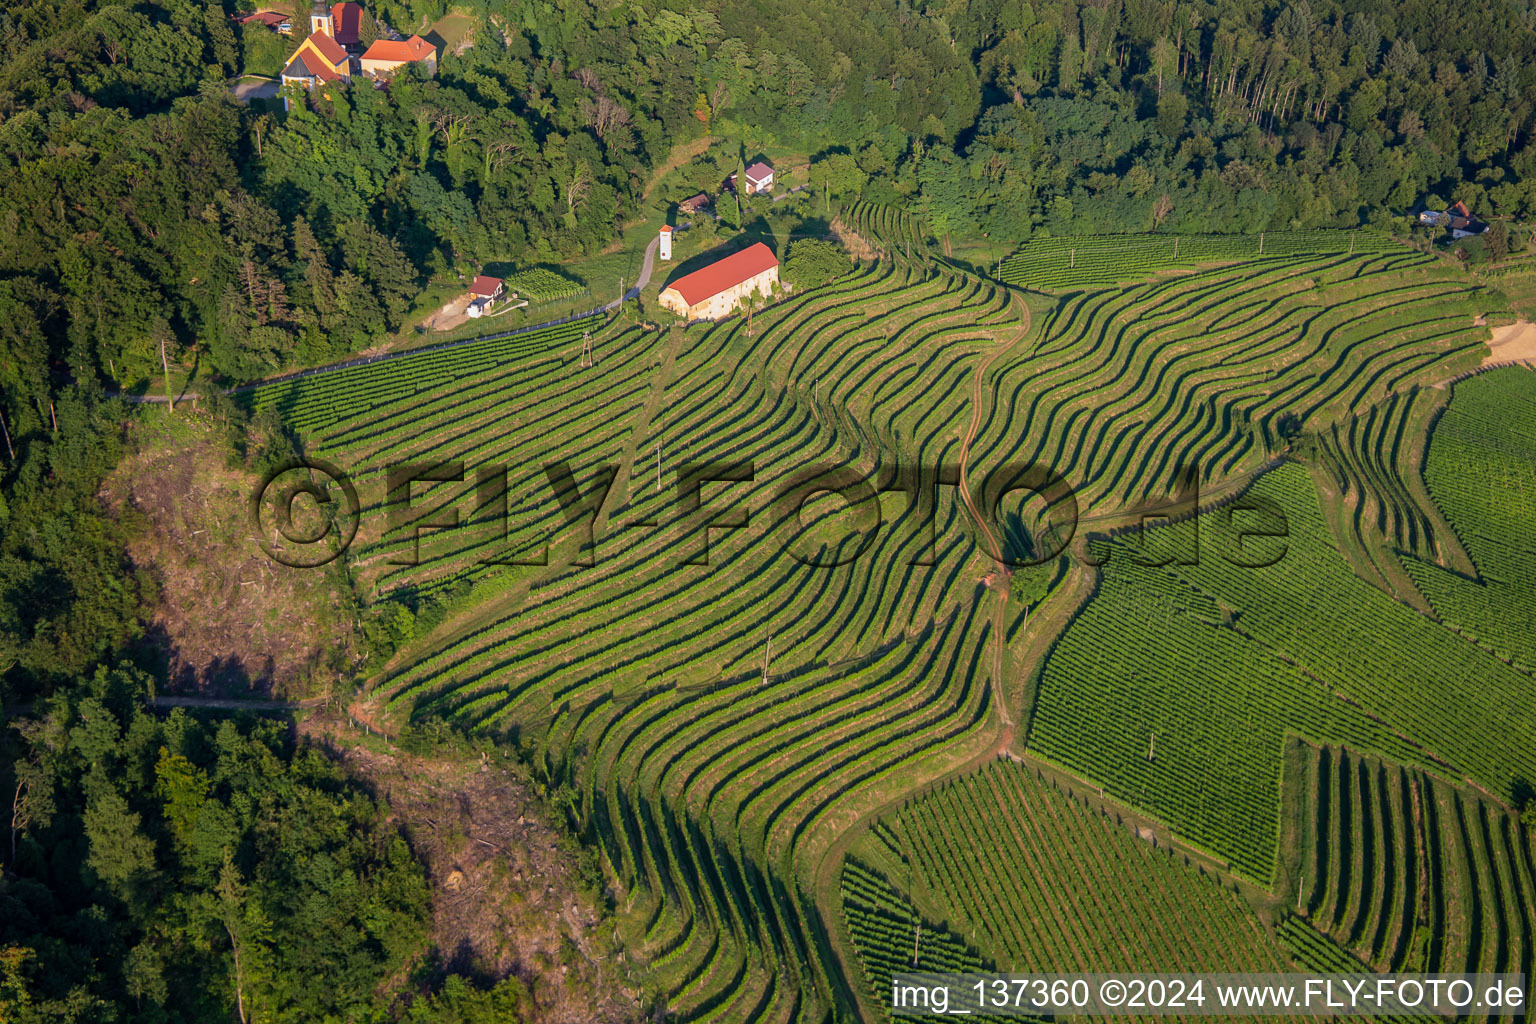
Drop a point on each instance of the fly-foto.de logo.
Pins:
(307, 513)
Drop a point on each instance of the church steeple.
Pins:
(320, 20)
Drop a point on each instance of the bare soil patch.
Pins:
(450, 316)
(1512, 343)
(228, 620)
(855, 243)
(506, 898)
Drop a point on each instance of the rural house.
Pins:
(1458, 219)
(485, 292)
(1462, 223)
(716, 290)
(759, 179)
(277, 21)
(693, 204)
(387, 55)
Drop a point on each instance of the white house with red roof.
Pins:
(347, 24)
(716, 290)
(484, 292)
(759, 179)
(343, 22)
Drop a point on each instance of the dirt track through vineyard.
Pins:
(826, 888)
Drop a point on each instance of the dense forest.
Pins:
(160, 869)
(148, 218)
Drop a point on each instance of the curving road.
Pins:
(646, 266)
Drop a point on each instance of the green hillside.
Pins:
(724, 731)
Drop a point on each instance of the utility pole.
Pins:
(767, 653)
(658, 467)
(586, 350)
(164, 365)
(7, 437)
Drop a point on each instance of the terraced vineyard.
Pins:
(1370, 472)
(899, 235)
(1408, 872)
(727, 719)
(538, 284)
(714, 762)
(1481, 471)
(1044, 884)
(1075, 263)
(1122, 391)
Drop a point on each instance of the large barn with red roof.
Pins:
(716, 290)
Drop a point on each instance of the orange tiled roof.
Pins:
(271, 19)
(347, 20)
(300, 67)
(723, 274)
(414, 48)
(328, 48)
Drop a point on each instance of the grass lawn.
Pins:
(980, 253)
(449, 31)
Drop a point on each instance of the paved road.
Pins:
(647, 266)
(365, 360)
(649, 263)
